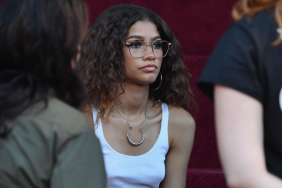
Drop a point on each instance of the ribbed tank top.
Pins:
(146, 170)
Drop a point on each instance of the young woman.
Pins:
(44, 140)
(244, 77)
(137, 86)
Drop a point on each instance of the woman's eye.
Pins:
(135, 45)
(157, 45)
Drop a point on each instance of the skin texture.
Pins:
(78, 56)
(239, 127)
(132, 104)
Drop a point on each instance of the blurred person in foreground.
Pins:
(45, 141)
(244, 77)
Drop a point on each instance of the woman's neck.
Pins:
(133, 101)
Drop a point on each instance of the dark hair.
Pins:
(39, 38)
(102, 63)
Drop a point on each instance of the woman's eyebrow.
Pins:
(135, 36)
(142, 38)
(155, 38)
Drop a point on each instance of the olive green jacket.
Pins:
(52, 147)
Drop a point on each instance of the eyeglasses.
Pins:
(138, 48)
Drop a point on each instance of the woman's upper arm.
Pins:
(239, 127)
(181, 130)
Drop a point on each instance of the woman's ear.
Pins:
(77, 58)
(78, 55)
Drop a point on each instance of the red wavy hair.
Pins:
(250, 7)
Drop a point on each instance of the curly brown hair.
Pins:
(102, 62)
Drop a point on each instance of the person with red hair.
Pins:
(244, 78)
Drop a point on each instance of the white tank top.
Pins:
(146, 170)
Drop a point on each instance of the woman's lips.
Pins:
(149, 68)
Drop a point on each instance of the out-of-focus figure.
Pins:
(45, 141)
(244, 77)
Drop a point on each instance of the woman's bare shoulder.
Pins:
(180, 118)
(181, 127)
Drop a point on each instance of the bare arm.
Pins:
(239, 127)
(181, 130)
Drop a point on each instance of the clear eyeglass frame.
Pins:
(145, 49)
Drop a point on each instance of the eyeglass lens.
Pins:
(138, 48)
